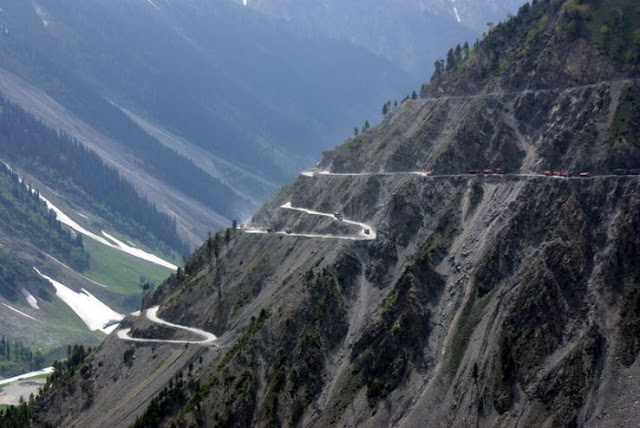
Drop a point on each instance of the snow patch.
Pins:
(42, 14)
(120, 246)
(20, 312)
(30, 299)
(455, 10)
(136, 252)
(95, 314)
(153, 4)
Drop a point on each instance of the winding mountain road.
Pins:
(152, 315)
(367, 233)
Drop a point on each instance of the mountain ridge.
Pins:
(486, 299)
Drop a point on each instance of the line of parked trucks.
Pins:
(548, 173)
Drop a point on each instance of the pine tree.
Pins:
(451, 60)
(438, 69)
(457, 55)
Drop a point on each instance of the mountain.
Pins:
(138, 128)
(207, 107)
(410, 33)
(34, 322)
(39, 241)
(391, 287)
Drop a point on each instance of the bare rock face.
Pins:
(473, 299)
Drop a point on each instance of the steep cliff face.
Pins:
(389, 297)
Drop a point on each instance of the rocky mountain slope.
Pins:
(385, 296)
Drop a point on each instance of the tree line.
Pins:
(23, 414)
(23, 214)
(16, 358)
(44, 152)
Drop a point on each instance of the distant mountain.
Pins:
(410, 33)
(206, 106)
(470, 261)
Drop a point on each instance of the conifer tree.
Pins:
(451, 60)
(457, 55)
(438, 69)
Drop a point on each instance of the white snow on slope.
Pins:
(20, 312)
(41, 13)
(48, 370)
(30, 299)
(455, 10)
(137, 252)
(95, 314)
(120, 246)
